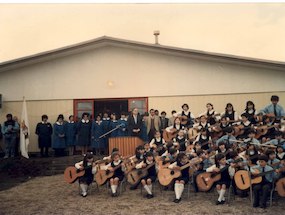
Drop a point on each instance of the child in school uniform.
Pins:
(151, 176)
(157, 140)
(117, 167)
(181, 141)
(90, 169)
(70, 134)
(123, 121)
(181, 181)
(226, 172)
(261, 191)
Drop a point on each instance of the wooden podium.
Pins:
(126, 145)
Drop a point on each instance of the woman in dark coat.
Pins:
(84, 132)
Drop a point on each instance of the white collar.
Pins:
(58, 123)
(99, 122)
(106, 118)
(70, 121)
(44, 122)
(149, 162)
(117, 163)
(85, 121)
(124, 119)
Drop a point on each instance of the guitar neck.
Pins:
(191, 163)
(149, 166)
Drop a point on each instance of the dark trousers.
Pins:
(261, 193)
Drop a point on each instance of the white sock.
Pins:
(114, 188)
(176, 190)
(181, 189)
(150, 188)
(221, 196)
(147, 189)
(83, 188)
(219, 191)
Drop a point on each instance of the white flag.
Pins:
(24, 132)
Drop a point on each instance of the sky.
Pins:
(255, 30)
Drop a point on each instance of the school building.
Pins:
(111, 74)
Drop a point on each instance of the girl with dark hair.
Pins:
(58, 143)
(84, 132)
(89, 166)
(222, 168)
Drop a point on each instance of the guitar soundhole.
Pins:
(172, 172)
(139, 172)
(70, 174)
(107, 172)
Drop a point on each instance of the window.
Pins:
(139, 103)
(83, 106)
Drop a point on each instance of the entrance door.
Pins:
(110, 106)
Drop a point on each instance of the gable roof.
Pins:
(110, 41)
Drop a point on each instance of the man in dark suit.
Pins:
(163, 121)
(134, 123)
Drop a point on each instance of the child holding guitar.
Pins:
(182, 160)
(224, 170)
(116, 166)
(148, 164)
(89, 167)
(261, 190)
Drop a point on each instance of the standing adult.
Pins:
(70, 134)
(164, 121)
(134, 123)
(10, 129)
(274, 109)
(152, 124)
(44, 132)
(96, 131)
(58, 143)
(17, 142)
(84, 132)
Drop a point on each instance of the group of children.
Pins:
(226, 158)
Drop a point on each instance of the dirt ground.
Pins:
(52, 195)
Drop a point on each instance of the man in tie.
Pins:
(134, 123)
(261, 191)
(274, 109)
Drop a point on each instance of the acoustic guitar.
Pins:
(262, 130)
(206, 180)
(168, 136)
(166, 175)
(192, 133)
(242, 178)
(102, 175)
(72, 173)
(280, 187)
(134, 177)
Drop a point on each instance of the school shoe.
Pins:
(149, 196)
(263, 206)
(6, 156)
(84, 194)
(220, 202)
(177, 200)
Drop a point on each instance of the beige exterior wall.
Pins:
(35, 110)
(133, 73)
(168, 103)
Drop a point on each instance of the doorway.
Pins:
(110, 106)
